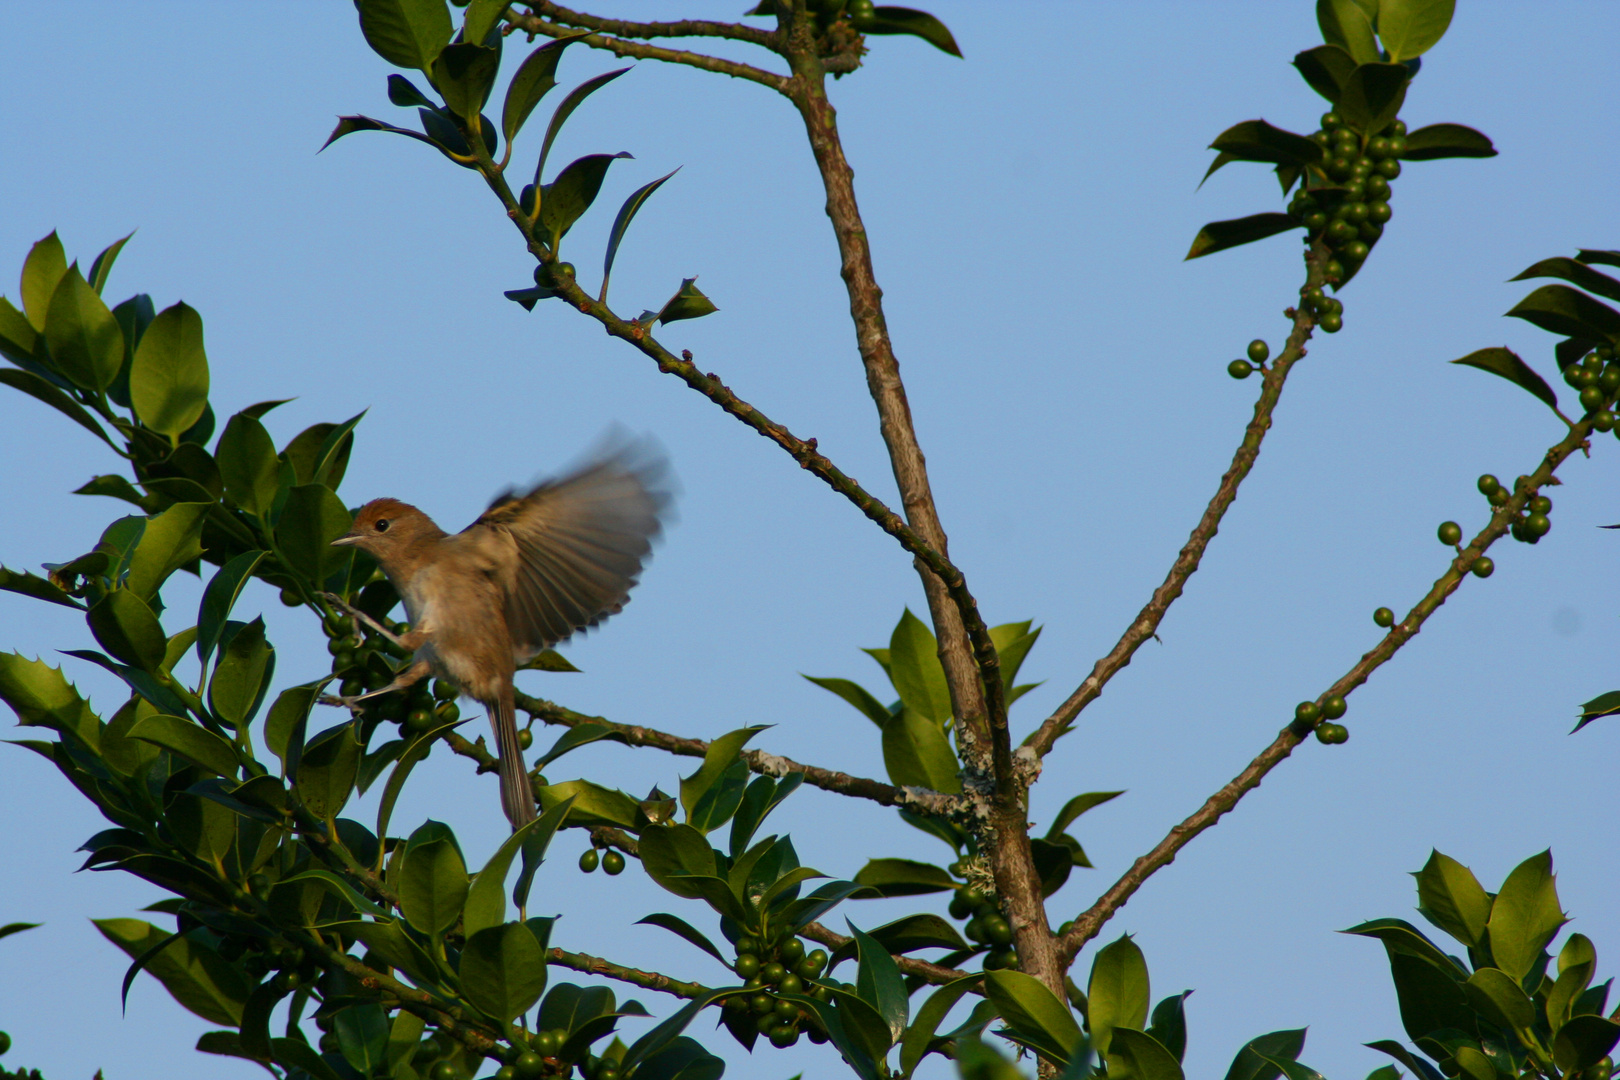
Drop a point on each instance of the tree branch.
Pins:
(647, 980)
(765, 39)
(1147, 621)
(931, 973)
(1090, 923)
(619, 47)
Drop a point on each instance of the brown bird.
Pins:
(536, 567)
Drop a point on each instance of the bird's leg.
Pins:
(409, 677)
(338, 602)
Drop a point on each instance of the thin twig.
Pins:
(931, 973)
(620, 47)
(1147, 621)
(647, 980)
(1089, 924)
(683, 28)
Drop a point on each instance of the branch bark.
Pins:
(533, 26)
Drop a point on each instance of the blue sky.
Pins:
(1029, 208)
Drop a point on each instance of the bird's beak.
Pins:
(346, 540)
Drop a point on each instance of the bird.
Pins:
(536, 567)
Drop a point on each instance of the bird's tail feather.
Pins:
(517, 797)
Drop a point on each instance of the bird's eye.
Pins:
(382, 525)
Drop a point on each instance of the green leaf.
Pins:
(26, 584)
(42, 389)
(1563, 310)
(1256, 140)
(904, 877)
(220, 597)
(1599, 256)
(676, 851)
(1220, 235)
(42, 271)
(1411, 28)
(1496, 996)
(503, 970)
(1326, 68)
(762, 796)
(348, 125)
(683, 1059)
(17, 928)
(1136, 1055)
(572, 739)
(919, 1036)
(533, 79)
(1583, 1042)
(1602, 705)
(196, 744)
(1430, 997)
(1446, 141)
(1400, 936)
(621, 222)
(910, 933)
(326, 771)
(548, 660)
(242, 675)
(126, 628)
(684, 930)
(288, 715)
(1169, 1024)
(1451, 898)
(1373, 95)
(168, 382)
(1035, 1015)
(296, 1054)
(1118, 992)
(1525, 915)
(592, 804)
(1506, 363)
(403, 92)
(899, 20)
(1346, 24)
(857, 696)
(1419, 1067)
(913, 666)
(722, 753)
(1293, 1070)
(917, 753)
(362, 1035)
(1256, 1060)
(204, 826)
(1013, 642)
(664, 1033)
(312, 518)
(41, 696)
(86, 342)
(247, 465)
(1575, 272)
(169, 541)
(406, 33)
(575, 96)
(878, 983)
(465, 73)
(1075, 807)
(565, 200)
(1577, 960)
(486, 897)
(432, 886)
(195, 976)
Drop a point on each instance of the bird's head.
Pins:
(387, 528)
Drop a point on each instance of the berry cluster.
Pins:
(774, 971)
(366, 663)
(1258, 352)
(1597, 378)
(611, 862)
(986, 925)
(1309, 715)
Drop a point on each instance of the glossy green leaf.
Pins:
(621, 222)
(312, 518)
(665, 1032)
(297, 1055)
(191, 741)
(917, 753)
(1118, 993)
(1600, 706)
(432, 886)
(362, 1035)
(168, 381)
(288, 714)
(242, 676)
(1401, 936)
(403, 92)
(205, 827)
(348, 125)
(1136, 1055)
(1446, 141)
(900, 20)
(1525, 915)
(1255, 1061)
(406, 33)
(326, 771)
(763, 795)
(1563, 310)
(531, 82)
(1031, 1012)
(1054, 862)
(42, 389)
(1220, 235)
(878, 983)
(592, 804)
(565, 200)
(1325, 68)
(126, 628)
(575, 97)
(1419, 1067)
(913, 666)
(919, 1037)
(1346, 24)
(1293, 1070)
(1583, 1042)
(976, 1060)
(683, 1059)
(1451, 898)
(1506, 363)
(41, 696)
(684, 930)
(247, 464)
(1075, 807)
(42, 272)
(26, 584)
(503, 970)
(1169, 1024)
(1409, 28)
(905, 877)
(1373, 95)
(195, 976)
(1497, 996)
(1256, 140)
(169, 541)
(465, 73)
(1013, 642)
(722, 753)
(572, 739)
(857, 696)
(1430, 997)
(220, 597)
(486, 896)
(1598, 256)
(86, 342)
(1577, 273)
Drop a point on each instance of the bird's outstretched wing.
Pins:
(568, 551)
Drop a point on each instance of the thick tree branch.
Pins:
(647, 980)
(1147, 621)
(639, 51)
(1090, 923)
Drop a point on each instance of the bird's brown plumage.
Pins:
(535, 568)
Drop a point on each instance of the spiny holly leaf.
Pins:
(1602, 705)
(1506, 363)
(1220, 235)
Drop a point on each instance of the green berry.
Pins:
(747, 965)
(762, 1004)
(1593, 398)
(1603, 420)
(783, 1036)
(1259, 351)
(1384, 617)
(1539, 505)
(1389, 168)
(1488, 484)
(419, 720)
(1354, 212)
(1397, 127)
(791, 951)
(448, 712)
(1355, 250)
(1331, 121)
(772, 972)
(997, 930)
(1483, 566)
(528, 1065)
(786, 1010)
(1609, 381)
(1378, 212)
(443, 690)
(1332, 734)
(1536, 525)
(1341, 231)
(5, 1042)
(1377, 189)
(291, 598)
(506, 1072)
(1307, 712)
(1000, 960)
(748, 943)
(1315, 221)
(1334, 706)
(1331, 323)
(589, 860)
(1450, 533)
(1238, 369)
(812, 964)
(612, 863)
(791, 984)
(1378, 148)
(352, 687)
